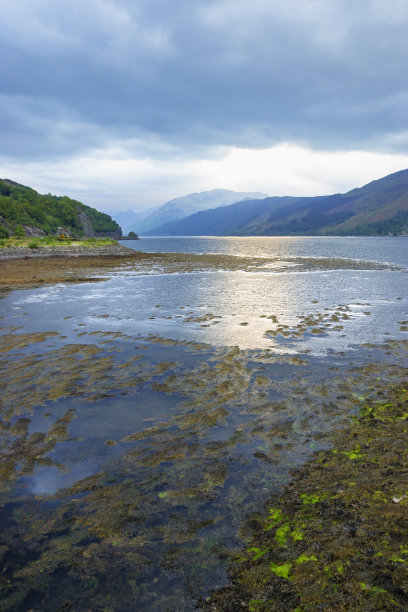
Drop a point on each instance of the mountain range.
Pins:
(379, 208)
(179, 208)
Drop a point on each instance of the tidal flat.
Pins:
(148, 428)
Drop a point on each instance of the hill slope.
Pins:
(20, 205)
(379, 208)
(189, 204)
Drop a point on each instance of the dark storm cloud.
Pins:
(83, 74)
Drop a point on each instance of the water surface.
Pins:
(146, 416)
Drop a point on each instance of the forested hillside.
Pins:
(20, 205)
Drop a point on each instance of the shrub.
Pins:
(19, 231)
(3, 231)
(33, 245)
(64, 238)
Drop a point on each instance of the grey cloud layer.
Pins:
(79, 75)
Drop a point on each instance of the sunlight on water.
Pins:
(144, 418)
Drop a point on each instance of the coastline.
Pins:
(113, 250)
(24, 267)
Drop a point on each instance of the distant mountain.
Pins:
(189, 204)
(379, 208)
(47, 214)
(129, 219)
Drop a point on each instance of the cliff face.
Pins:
(90, 232)
(86, 224)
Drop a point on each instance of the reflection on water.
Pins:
(144, 418)
(245, 309)
(368, 248)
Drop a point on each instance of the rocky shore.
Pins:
(23, 267)
(112, 250)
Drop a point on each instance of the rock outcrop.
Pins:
(86, 224)
(32, 231)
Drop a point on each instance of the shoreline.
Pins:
(7, 253)
(24, 268)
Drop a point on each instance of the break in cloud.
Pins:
(131, 102)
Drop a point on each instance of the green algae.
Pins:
(353, 533)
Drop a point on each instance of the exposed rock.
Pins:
(63, 231)
(33, 231)
(86, 224)
(4, 222)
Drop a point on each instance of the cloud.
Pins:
(178, 85)
(113, 180)
(292, 170)
(323, 73)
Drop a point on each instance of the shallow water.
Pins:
(144, 418)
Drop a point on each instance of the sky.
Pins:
(125, 104)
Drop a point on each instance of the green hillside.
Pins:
(20, 205)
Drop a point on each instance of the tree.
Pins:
(19, 231)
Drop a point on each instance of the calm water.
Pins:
(227, 308)
(144, 417)
(382, 249)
